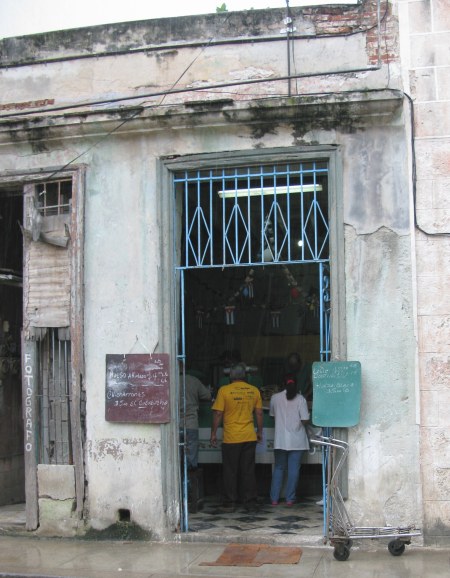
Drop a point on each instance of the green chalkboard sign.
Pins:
(336, 393)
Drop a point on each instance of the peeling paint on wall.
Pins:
(99, 450)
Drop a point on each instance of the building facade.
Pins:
(141, 162)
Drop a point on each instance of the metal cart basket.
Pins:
(336, 403)
(340, 531)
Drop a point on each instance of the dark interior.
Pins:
(12, 486)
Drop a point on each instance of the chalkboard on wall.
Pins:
(137, 388)
(336, 393)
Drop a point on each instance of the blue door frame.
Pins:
(249, 217)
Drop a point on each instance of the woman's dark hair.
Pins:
(290, 384)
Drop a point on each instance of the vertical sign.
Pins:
(30, 420)
(137, 388)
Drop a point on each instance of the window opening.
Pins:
(54, 198)
(54, 359)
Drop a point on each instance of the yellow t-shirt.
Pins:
(238, 400)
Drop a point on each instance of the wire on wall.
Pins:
(211, 41)
(290, 29)
(414, 172)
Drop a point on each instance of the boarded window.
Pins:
(47, 255)
(48, 298)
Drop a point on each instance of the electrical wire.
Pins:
(210, 89)
(193, 61)
(414, 171)
(164, 93)
(188, 89)
(126, 120)
(175, 46)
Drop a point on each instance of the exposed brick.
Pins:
(337, 30)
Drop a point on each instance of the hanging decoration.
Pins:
(229, 314)
(295, 290)
(243, 298)
(312, 303)
(244, 295)
(247, 289)
(295, 293)
(199, 315)
(275, 316)
(269, 249)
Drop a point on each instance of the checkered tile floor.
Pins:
(304, 518)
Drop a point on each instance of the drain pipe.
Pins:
(289, 28)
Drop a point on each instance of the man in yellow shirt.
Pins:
(235, 405)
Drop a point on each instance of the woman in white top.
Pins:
(291, 414)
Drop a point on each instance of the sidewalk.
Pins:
(40, 557)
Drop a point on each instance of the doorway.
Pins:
(254, 287)
(12, 471)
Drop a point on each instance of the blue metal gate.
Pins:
(252, 216)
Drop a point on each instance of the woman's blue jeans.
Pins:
(286, 461)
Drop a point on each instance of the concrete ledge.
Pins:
(57, 518)
(56, 482)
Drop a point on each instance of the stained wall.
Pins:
(347, 99)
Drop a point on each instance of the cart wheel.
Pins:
(341, 552)
(349, 543)
(396, 547)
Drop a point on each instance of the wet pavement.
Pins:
(46, 557)
(24, 555)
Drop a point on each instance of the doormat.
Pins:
(256, 555)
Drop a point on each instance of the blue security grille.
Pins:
(325, 312)
(254, 215)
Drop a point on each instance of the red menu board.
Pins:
(137, 388)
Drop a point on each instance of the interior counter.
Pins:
(264, 450)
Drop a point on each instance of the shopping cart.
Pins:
(340, 531)
(336, 403)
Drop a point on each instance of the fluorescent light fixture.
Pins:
(257, 192)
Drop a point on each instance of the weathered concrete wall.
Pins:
(380, 335)
(123, 231)
(380, 329)
(56, 491)
(129, 61)
(425, 45)
(121, 262)
(253, 26)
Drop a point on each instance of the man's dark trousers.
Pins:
(239, 481)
